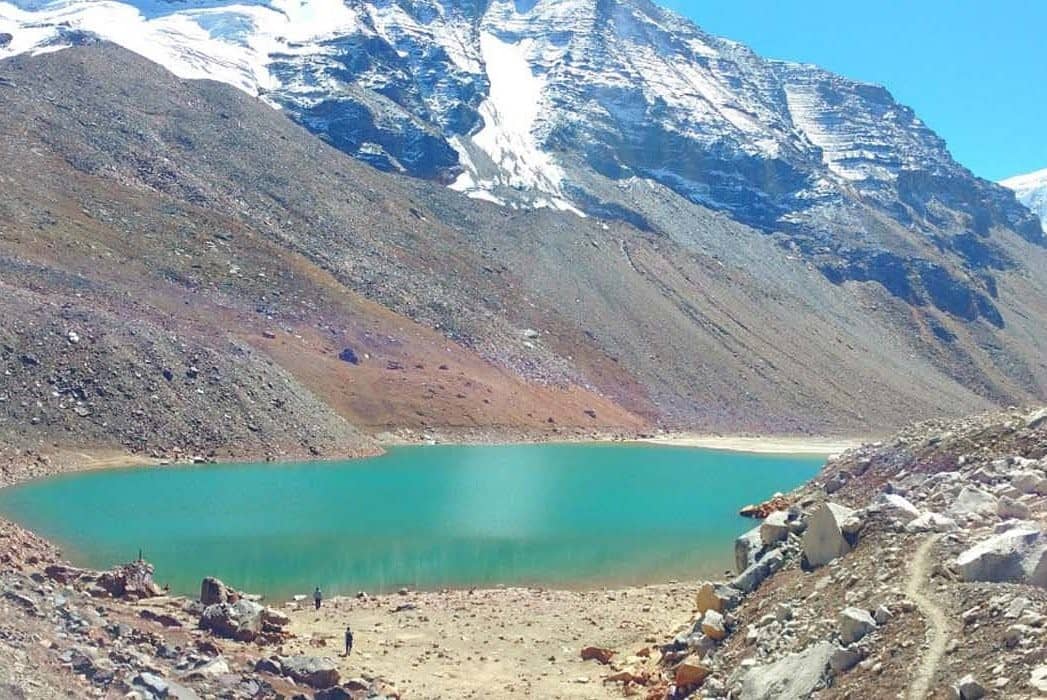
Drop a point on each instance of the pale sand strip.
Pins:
(761, 445)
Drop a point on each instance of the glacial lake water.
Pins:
(564, 515)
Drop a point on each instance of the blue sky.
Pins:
(974, 70)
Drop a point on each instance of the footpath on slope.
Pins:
(937, 621)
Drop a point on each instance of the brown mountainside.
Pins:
(183, 267)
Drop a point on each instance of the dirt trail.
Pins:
(937, 621)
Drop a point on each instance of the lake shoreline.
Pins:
(521, 639)
(454, 512)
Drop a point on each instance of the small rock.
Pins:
(713, 625)
(690, 672)
(598, 654)
(967, 688)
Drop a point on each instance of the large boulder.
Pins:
(854, 624)
(132, 581)
(314, 671)
(242, 620)
(1018, 555)
(213, 591)
(747, 549)
(792, 676)
(972, 501)
(831, 532)
(775, 527)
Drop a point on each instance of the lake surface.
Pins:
(429, 517)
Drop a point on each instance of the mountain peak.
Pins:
(1031, 190)
(617, 109)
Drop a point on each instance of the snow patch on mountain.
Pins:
(230, 43)
(510, 112)
(1031, 190)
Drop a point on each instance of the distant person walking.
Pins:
(348, 640)
(318, 597)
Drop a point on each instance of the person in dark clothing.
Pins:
(348, 640)
(318, 597)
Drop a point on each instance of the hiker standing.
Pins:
(318, 597)
(348, 640)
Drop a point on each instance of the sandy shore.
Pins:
(504, 643)
(761, 445)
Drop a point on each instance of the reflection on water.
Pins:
(430, 517)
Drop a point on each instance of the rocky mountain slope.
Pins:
(268, 275)
(1031, 190)
(915, 567)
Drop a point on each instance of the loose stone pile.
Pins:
(840, 587)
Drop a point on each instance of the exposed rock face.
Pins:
(315, 671)
(793, 676)
(830, 533)
(1018, 555)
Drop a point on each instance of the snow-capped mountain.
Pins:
(600, 107)
(1031, 190)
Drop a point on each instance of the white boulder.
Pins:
(931, 522)
(897, 507)
(1018, 555)
(830, 533)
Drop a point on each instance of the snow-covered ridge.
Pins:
(1031, 190)
(536, 103)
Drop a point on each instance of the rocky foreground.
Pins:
(912, 568)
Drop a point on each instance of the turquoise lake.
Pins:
(565, 515)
